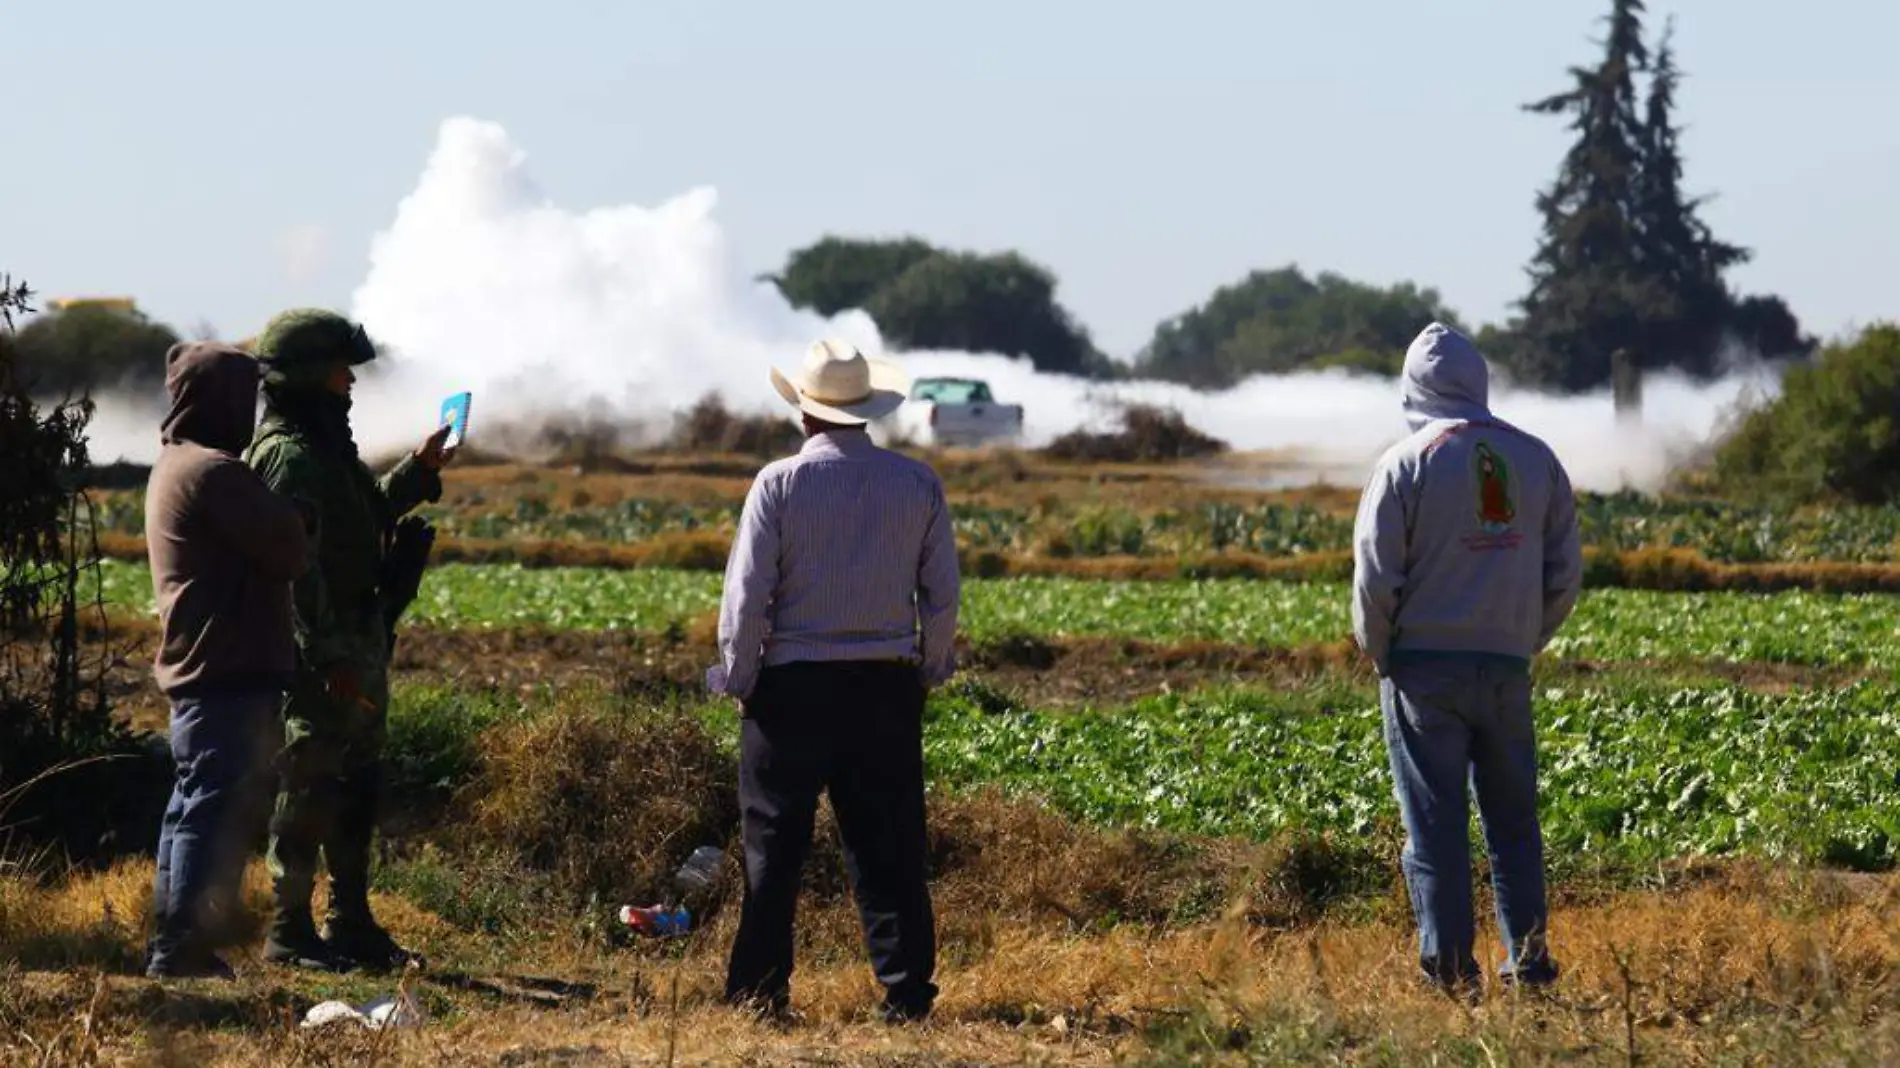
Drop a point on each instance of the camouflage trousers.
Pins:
(330, 784)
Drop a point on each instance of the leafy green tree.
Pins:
(90, 347)
(1280, 320)
(997, 303)
(14, 300)
(929, 298)
(1764, 325)
(838, 274)
(1193, 347)
(1832, 434)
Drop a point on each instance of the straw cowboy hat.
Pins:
(839, 384)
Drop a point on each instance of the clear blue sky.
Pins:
(218, 160)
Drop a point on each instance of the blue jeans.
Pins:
(1452, 719)
(221, 748)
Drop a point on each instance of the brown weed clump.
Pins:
(1148, 435)
(1015, 860)
(709, 426)
(605, 802)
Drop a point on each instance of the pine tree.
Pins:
(1679, 250)
(1626, 264)
(1590, 290)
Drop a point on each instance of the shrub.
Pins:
(607, 800)
(709, 426)
(1148, 435)
(434, 742)
(484, 890)
(1833, 434)
(56, 728)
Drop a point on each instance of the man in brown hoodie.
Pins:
(224, 550)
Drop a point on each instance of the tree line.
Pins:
(88, 347)
(1625, 265)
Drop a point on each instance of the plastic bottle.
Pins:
(700, 871)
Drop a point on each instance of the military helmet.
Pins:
(311, 338)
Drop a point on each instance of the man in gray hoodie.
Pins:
(1466, 561)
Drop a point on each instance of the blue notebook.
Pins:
(455, 415)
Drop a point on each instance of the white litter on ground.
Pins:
(400, 1011)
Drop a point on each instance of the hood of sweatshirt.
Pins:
(1444, 378)
(213, 389)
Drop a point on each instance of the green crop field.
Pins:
(1636, 771)
(1814, 629)
(1631, 775)
(1720, 531)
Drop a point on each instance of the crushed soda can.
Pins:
(657, 920)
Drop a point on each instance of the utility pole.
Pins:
(1626, 393)
(1626, 386)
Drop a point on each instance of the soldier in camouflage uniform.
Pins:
(366, 567)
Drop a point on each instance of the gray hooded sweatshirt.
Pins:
(1466, 540)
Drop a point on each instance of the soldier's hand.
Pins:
(434, 454)
(345, 686)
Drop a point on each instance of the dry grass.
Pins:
(1757, 967)
(606, 803)
(1677, 569)
(94, 920)
(1001, 860)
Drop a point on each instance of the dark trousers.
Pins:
(221, 749)
(855, 730)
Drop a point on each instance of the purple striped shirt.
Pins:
(844, 552)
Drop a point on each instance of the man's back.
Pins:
(1485, 507)
(1466, 539)
(843, 553)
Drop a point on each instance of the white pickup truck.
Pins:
(956, 411)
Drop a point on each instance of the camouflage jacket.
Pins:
(338, 606)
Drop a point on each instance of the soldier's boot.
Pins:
(354, 939)
(293, 941)
(350, 930)
(292, 860)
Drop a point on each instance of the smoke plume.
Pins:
(482, 282)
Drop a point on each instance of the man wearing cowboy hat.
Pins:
(839, 614)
